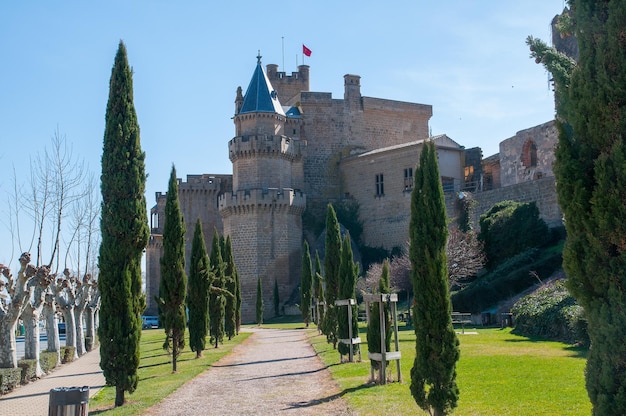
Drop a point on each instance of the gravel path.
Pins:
(274, 371)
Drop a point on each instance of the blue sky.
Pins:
(468, 59)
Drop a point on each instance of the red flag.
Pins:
(306, 51)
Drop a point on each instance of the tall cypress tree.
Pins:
(198, 292)
(305, 284)
(433, 376)
(332, 261)
(276, 299)
(319, 291)
(591, 186)
(230, 275)
(173, 285)
(125, 232)
(237, 299)
(348, 272)
(373, 327)
(259, 302)
(217, 297)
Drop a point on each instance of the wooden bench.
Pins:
(459, 318)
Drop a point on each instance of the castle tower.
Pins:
(263, 214)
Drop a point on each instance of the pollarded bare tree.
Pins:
(12, 298)
(66, 301)
(33, 306)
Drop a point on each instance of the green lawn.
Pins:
(498, 374)
(156, 379)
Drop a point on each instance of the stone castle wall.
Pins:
(263, 226)
(515, 154)
(542, 191)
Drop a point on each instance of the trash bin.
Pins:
(69, 401)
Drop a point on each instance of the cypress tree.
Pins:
(259, 302)
(198, 292)
(373, 327)
(237, 300)
(305, 284)
(125, 232)
(348, 272)
(433, 376)
(319, 291)
(173, 285)
(217, 296)
(591, 188)
(276, 299)
(230, 310)
(332, 260)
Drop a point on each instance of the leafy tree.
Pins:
(509, 228)
(230, 310)
(373, 327)
(591, 189)
(198, 292)
(259, 302)
(319, 290)
(332, 261)
(124, 227)
(217, 294)
(276, 299)
(173, 285)
(348, 272)
(305, 284)
(433, 376)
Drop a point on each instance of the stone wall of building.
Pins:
(385, 210)
(528, 155)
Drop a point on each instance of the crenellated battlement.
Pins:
(265, 145)
(288, 200)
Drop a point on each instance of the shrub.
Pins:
(509, 278)
(29, 370)
(509, 228)
(67, 354)
(9, 378)
(47, 360)
(551, 312)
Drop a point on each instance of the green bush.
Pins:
(508, 279)
(29, 370)
(67, 354)
(509, 228)
(9, 378)
(551, 312)
(47, 360)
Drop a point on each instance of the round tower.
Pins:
(263, 214)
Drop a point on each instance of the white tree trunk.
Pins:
(52, 329)
(70, 329)
(30, 317)
(80, 335)
(8, 348)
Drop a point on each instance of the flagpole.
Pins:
(283, 38)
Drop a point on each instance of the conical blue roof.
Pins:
(260, 97)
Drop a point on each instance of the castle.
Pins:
(294, 151)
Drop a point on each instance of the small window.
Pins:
(380, 186)
(408, 179)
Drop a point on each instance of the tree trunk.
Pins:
(8, 351)
(174, 352)
(52, 330)
(70, 329)
(91, 327)
(30, 317)
(80, 335)
(119, 396)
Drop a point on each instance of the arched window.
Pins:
(529, 154)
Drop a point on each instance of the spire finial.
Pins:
(258, 58)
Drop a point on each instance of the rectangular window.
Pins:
(380, 186)
(408, 179)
